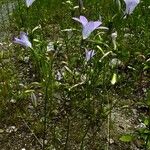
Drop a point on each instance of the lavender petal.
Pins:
(130, 5)
(29, 2)
(89, 54)
(88, 29)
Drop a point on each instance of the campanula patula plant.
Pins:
(75, 75)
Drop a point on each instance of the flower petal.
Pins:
(23, 36)
(87, 29)
(23, 40)
(89, 54)
(130, 5)
(97, 24)
(29, 2)
(19, 41)
(83, 20)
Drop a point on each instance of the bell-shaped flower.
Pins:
(89, 54)
(130, 5)
(87, 27)
(23, 40)
(29, 2)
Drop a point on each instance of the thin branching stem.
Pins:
(82, 141)
(31, 131)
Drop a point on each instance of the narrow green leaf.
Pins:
(114, 79)
(126, 138)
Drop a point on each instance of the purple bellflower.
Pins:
(89, 54)
(29, 2)
(23, 40)
(87, 27)
(130, 5)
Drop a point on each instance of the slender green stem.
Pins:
(67, 136)
(82, 141)
(31, 131)
(147, 140)
(45, 115)
(48, 84)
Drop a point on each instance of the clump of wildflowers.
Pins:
(130, 5)
(87, 27)
(23, 40)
